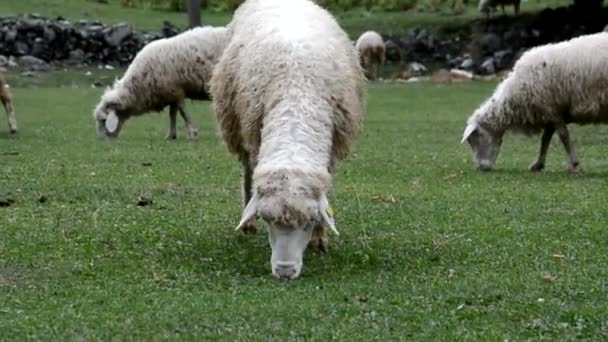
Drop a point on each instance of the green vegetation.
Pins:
(356, 20)
(429, 248)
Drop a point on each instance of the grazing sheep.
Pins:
(371, 52)
(164, 73)
(487, 6)
(550, 86)
(289, 94)
(7, 101)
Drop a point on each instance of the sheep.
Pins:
(371, 51)
(289, 96)
(7, 101)
(163, 73)
(549, 87)
(486, 6)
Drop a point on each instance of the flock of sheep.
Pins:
(289, 94)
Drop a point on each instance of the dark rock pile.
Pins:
(35, 41)
(489, 46)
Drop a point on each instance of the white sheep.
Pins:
(7, 102)
(289, 94)
(487, 6)
(164, 73)
(370, 47)
(550, 86)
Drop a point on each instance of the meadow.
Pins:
(430, 249)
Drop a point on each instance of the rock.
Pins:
(392, 51)
(21, 48)
(31, 60)
(502, 59)
(77, 55)
(115, 34)
(3, 61)
(489, 42)
(39, 47)
(417, 69)
(467, 64)
(488, 66)
(29, 74)
(10, 36)
(169, 30)
(12, 63)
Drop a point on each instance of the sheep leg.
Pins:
(192, 131)
(10, 115)
(172, 134)
(539, 164)
(375, 71)
(319, 241)
(564, 136)
(246, 187)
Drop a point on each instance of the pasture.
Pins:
(429, 249)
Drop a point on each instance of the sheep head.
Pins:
(485, 145)
(107, 116)
(292, 209)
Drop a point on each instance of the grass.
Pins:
(429, 248)
(354, 21)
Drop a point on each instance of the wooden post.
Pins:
(194, 13)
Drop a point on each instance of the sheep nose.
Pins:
(484, 166)
(286, 271)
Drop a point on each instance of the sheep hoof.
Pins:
(193, 135)
(537, 167)
(574, 169)
(249, 229)
(171, 136)
(13, 131)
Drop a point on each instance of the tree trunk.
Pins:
(194, 13)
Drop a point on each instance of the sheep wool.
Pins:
(164, 73)
(289, 95)
(550, 86)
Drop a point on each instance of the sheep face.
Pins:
(108, 121)
(484, 144)
(291, 221)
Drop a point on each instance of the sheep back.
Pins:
(170, 69)
(554, 83)
(277, 54)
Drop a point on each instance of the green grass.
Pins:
(354, 21)
(457, 255)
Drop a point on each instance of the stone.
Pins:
(115, 34)
(392, 51)
(488, 66)
(31, 60)
(489, 42)
(467, 64)
(417, 69)
(3, 61)
(502, 59)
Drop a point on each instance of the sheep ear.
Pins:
(327, 213)
(468, 131)
(250, 211)
(112, 122)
